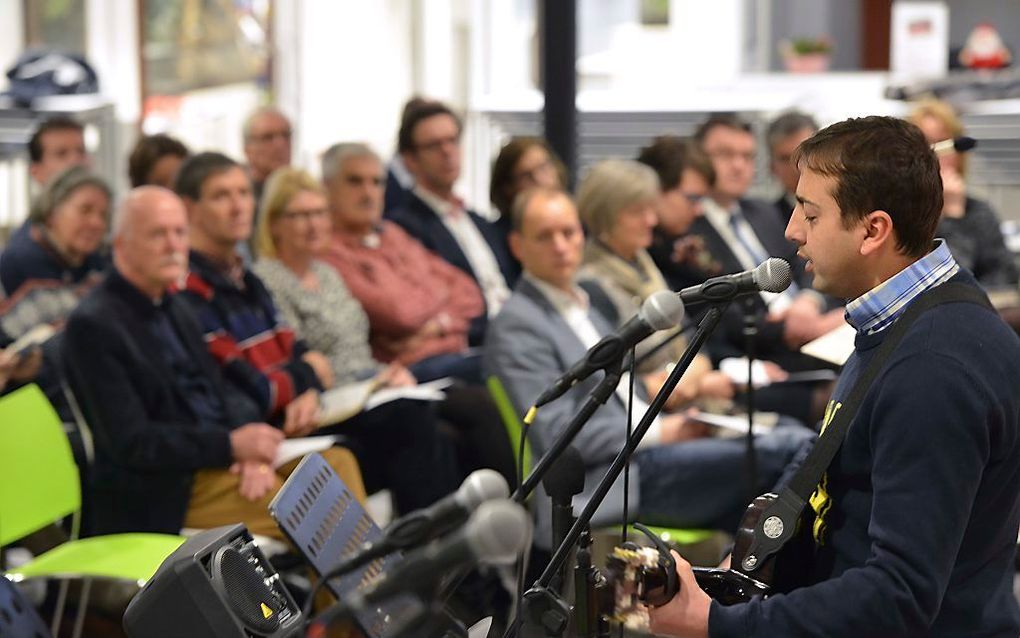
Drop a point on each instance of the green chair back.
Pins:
(511, 421)
(39, 482)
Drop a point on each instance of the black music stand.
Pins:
(323, 520)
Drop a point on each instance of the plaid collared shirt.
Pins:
(880, 307)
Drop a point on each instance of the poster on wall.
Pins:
(919, 42)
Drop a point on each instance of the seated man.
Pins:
(429, 144)
(678, 477)
(166, 426)
(398, 443)
(421, 309)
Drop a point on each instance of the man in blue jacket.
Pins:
(916, 518)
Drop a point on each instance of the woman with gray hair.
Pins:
(617, 202)
(57, 255)
(47, 267)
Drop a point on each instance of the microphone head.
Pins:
(480, 486)
(497, 532)
(662, 310)
(566, 476)
(963, 144)
(772, 275)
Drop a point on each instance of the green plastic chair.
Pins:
(515, 429)
(39, 485)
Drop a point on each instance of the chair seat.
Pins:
(126, 556)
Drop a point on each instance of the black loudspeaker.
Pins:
(218, 584)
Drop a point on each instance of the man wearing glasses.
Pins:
(267, 146)
(429, 144)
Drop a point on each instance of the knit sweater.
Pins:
(919, 535)
(244, 333)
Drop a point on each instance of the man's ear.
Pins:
(515, 244)
(878, 232)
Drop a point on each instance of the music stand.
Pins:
(323, 520)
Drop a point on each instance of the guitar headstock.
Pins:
(637, 578)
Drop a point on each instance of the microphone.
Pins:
(954, 145)
(494, 535)
(772, 275)
(660, 311)
(418, 526)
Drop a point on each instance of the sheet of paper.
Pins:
(834, 347)
(291, 449)
(33, 337)
(341, 403)
(431, 391)
(737, 423)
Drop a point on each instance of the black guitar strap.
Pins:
(778, 521)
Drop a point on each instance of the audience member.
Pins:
(155, 160)
(784, 135)
(429, 143)
(242, 327)
(617, 202)
(741, 233)
(678, 477)
(399, 180)
(522, 163)
(57, 144)
(969, 225)
(170, 449)
(295, 226)
(267, 145)
(685, 177)
(420, 308)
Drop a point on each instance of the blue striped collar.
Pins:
(879, 308)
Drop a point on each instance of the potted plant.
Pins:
(806, 54)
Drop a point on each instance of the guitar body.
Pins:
(749, 577)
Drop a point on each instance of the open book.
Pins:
(835, 346)
(736, 424)
(339, 404)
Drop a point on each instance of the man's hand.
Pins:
(255, 442)
(686, 616)
(716, 385)
(257, 479)
(301, 416)
(677, 428)
(320, 364)
(396, 376)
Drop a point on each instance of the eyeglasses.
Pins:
(532, 176)
(729, 154)
(693, 198)
(436, 145)
(304, 215)
(269, 136)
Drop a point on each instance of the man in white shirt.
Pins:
(679, 476)
(429, 144)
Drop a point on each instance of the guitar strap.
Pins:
(778, 521)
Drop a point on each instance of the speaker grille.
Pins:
(255, 604)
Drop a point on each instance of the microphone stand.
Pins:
(750, 334)
(541, 604)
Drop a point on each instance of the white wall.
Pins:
(344, 72)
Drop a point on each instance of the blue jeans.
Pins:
(703, 483)
(465, 367)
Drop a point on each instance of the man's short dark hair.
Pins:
(880, 163)
(787, 124)
(670, 155)
(147, 152)
(724, 120)
(55, 123)
(198, 168)
(415, 114)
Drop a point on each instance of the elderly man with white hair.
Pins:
(175, 445)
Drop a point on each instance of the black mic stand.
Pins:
(562, 483)
(750, 336)
(541, 605)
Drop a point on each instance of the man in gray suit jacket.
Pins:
(679, 476)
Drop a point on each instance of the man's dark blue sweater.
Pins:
(919, 536)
